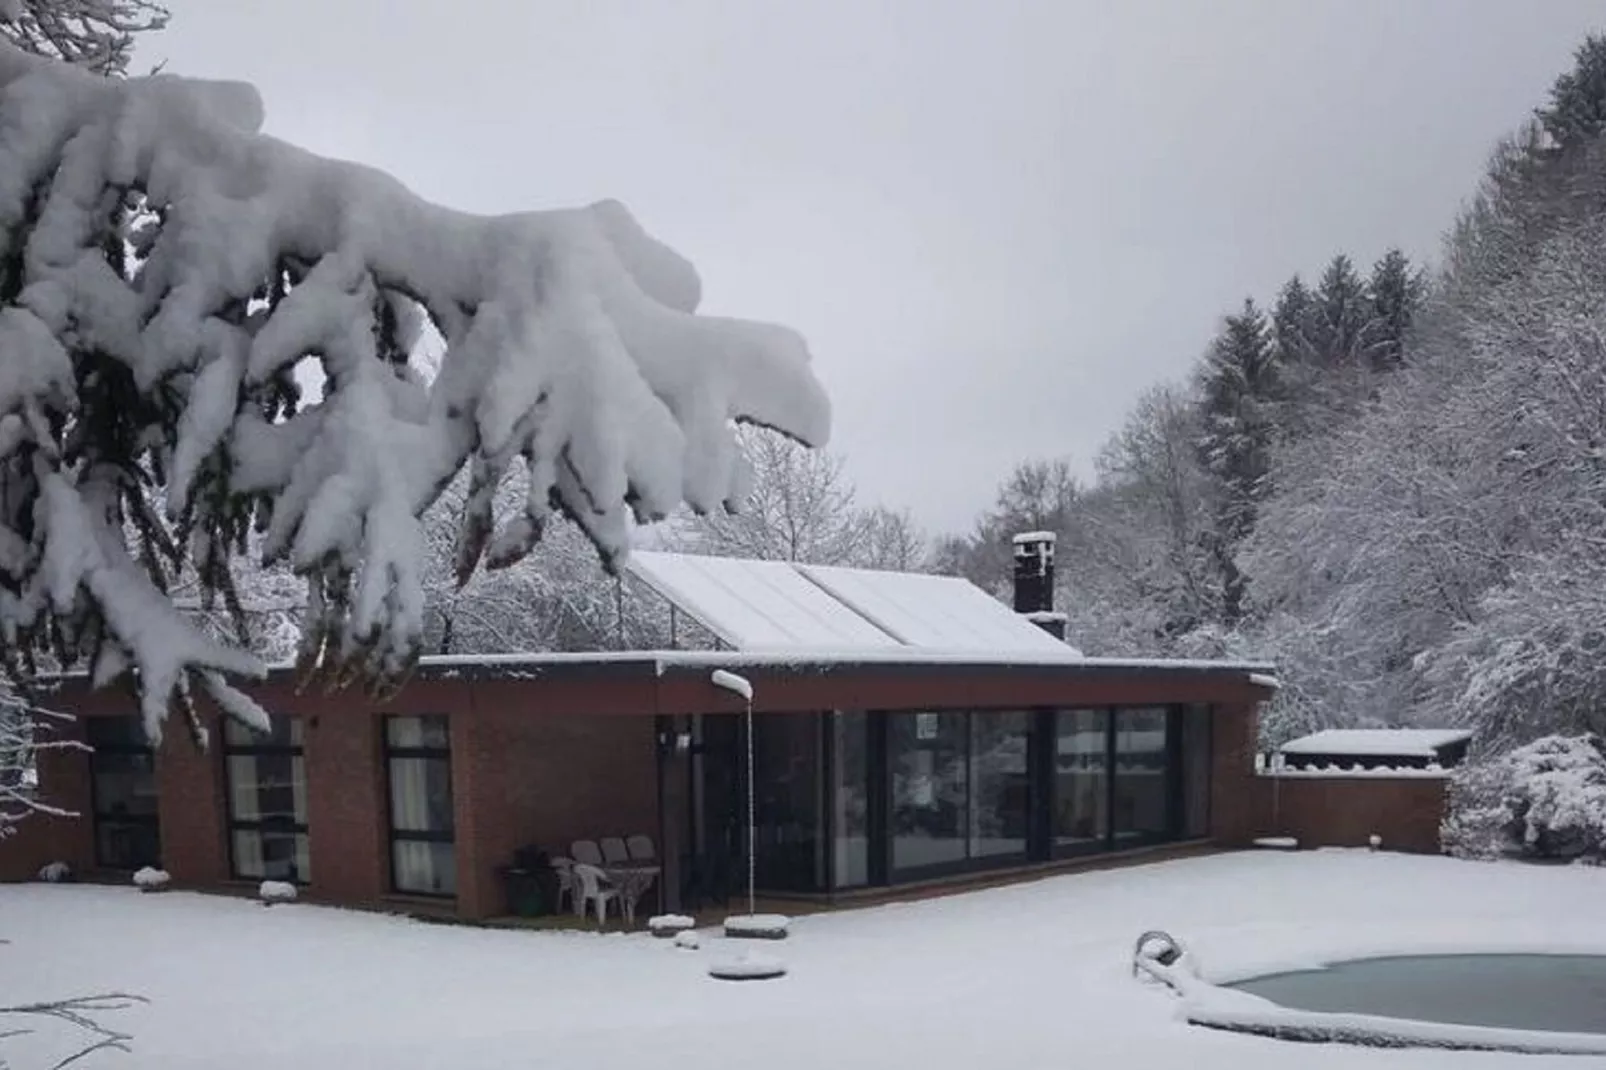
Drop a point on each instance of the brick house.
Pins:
(906, 730)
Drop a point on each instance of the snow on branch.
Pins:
(97, 35)
(165, 271)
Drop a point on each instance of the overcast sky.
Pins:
(996, 221)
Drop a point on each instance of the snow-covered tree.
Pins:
(1239, 390)
(1576, 114)
(97, 35)
(165, 268)
(1396, 291)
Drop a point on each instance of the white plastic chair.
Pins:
(640, 848)
(614, 851)
(594, 888)
(586, 851)
(565, 868)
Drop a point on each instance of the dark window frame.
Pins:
(425, 752)
(256, 747)
(99, 818)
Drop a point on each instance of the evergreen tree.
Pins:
(1239, 387)
(1293, 323)
(1577, 110)
(1341, 316)
(1396, 293)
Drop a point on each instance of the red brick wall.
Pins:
(40, 840)
(190, 806)
(347, 814)
(527, 775)
(1234, 816)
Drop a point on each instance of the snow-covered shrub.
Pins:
(55, 873)
(150, 879)
(1545, 800)
(271, 892)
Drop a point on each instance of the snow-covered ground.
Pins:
(1031, 976)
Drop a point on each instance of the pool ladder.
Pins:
(1156, 948)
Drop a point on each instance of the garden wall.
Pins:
(1346, 809)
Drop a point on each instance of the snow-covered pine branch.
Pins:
(164, 270)
(97, 35)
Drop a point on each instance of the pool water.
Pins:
(1557, 993)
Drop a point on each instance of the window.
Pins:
(423, 853)
(122, 774)
(959, 787)
(930, 788)
(999, 783)
(267, 785)
(1081, 779)
(850, 798)
(789, 802)
(1143, 775)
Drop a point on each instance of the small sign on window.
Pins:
(926, 726)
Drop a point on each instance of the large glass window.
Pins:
(930, 788)
(790, 802)
(1000, 779)
(1081, 778)
(267, 785)
(122, 770)
(423, 851)
(850, 798)
(1143, 775)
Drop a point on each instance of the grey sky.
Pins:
(995, 221)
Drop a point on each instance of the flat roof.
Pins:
(662, 662)
(1378, 742)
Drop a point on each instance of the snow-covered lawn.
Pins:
(1035, 975)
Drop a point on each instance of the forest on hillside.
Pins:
(1392, 483)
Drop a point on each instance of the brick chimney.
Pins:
(1034, 581)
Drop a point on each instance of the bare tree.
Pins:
(26, 732)
(800, 507)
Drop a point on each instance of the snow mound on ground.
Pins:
(748, 967)
(688, 940)
(660, 924)
(160, 237)
(148, 878)
(764, 926)
(55, 872)
(277, 892)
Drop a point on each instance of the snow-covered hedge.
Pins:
(1544, 800)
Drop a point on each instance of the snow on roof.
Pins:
(935, 612)
(776, 606)
(756, 605)
(1026, 537)
(1372, 742)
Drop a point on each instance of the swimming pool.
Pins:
(1550, 993)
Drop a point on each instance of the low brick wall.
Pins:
(1345, 811)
